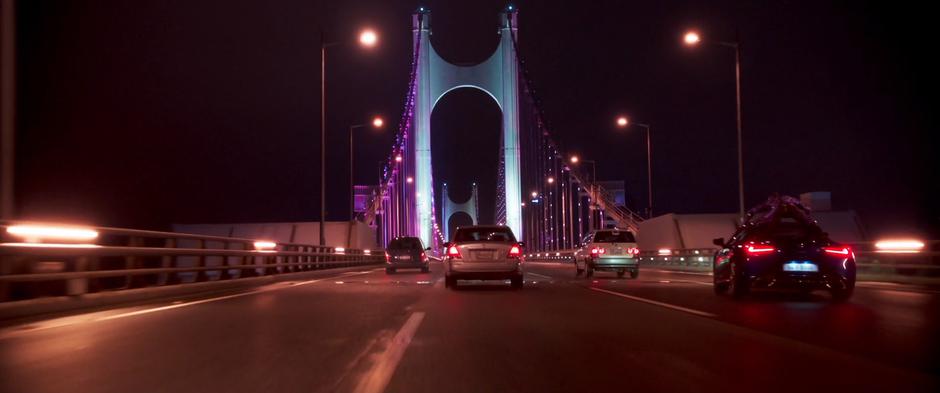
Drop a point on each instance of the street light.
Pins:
(367, 38)
(623, 122)
(574, 159)
(377, 122)
(692, 38)
(550, 180)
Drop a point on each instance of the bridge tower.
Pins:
(470, 207)
(498, 76)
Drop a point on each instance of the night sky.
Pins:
(149, 112)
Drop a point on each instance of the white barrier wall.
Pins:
(338, 234)
(686, 231)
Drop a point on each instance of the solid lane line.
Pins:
(540, 275)
(381, 373)
(655, 303)
(681, 272)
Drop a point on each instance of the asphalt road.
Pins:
(364, 331)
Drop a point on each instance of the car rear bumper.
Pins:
(800, 281)
(614, 263)
(501, 269)
(406, 264)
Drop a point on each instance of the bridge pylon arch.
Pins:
(498, 76)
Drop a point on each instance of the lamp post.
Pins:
(367, 38)
(377, 123)
(577, 160)
(624, 122)
(692, 38)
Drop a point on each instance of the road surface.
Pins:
(364, 331)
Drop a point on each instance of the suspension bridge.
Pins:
(544, 200)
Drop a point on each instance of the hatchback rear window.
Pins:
(405, 243)
(614, 237)
(495, 234)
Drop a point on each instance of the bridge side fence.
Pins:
(127, 258)
(871, 263)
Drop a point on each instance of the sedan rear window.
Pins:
(495, 234)
(614, 237)
(405, 243)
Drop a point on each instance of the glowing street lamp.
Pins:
(550, 180)
(574, 159)
(535, 194)
(622, 121)
(377, 122)
(692, 38)
(368, 38)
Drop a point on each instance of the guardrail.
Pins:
(127, 258)
(924, 263)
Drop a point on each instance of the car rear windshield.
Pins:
(788, 232)
(484, 235)
(405, 243)
(614, 237)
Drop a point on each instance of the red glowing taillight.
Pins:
(515, 252)
(634, 251)
(837, 250)
(424, 257)
(388, 258)
(759, 249)
(598, 251)
(453, 252)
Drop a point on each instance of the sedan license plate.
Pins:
(483, 254)
(404, 257)
(800, 266)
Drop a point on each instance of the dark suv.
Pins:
(406, 252)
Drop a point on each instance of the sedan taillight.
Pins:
(598, 251)
(453, 252)
(388, 258)
(515, 251)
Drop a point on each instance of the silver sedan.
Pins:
(483, 253)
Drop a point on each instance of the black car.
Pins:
(784, 251)
(406, 252)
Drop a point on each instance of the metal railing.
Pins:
(925, 263)
(128, 258)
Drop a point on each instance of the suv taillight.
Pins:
(453, 252)
(515, 251)
(388, 258)
(598, 251)
(634, 251)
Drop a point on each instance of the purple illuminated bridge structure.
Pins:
(546, 203)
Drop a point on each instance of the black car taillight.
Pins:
(759, 249)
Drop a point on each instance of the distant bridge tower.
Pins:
(497, 76)
(450, 208)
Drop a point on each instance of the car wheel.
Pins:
(738, 283)
(620, 273)
(634, 273)
(589, 272)
(426, 269)
(450, 282)
(578, 272)
(516, 282)
(389, 270)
